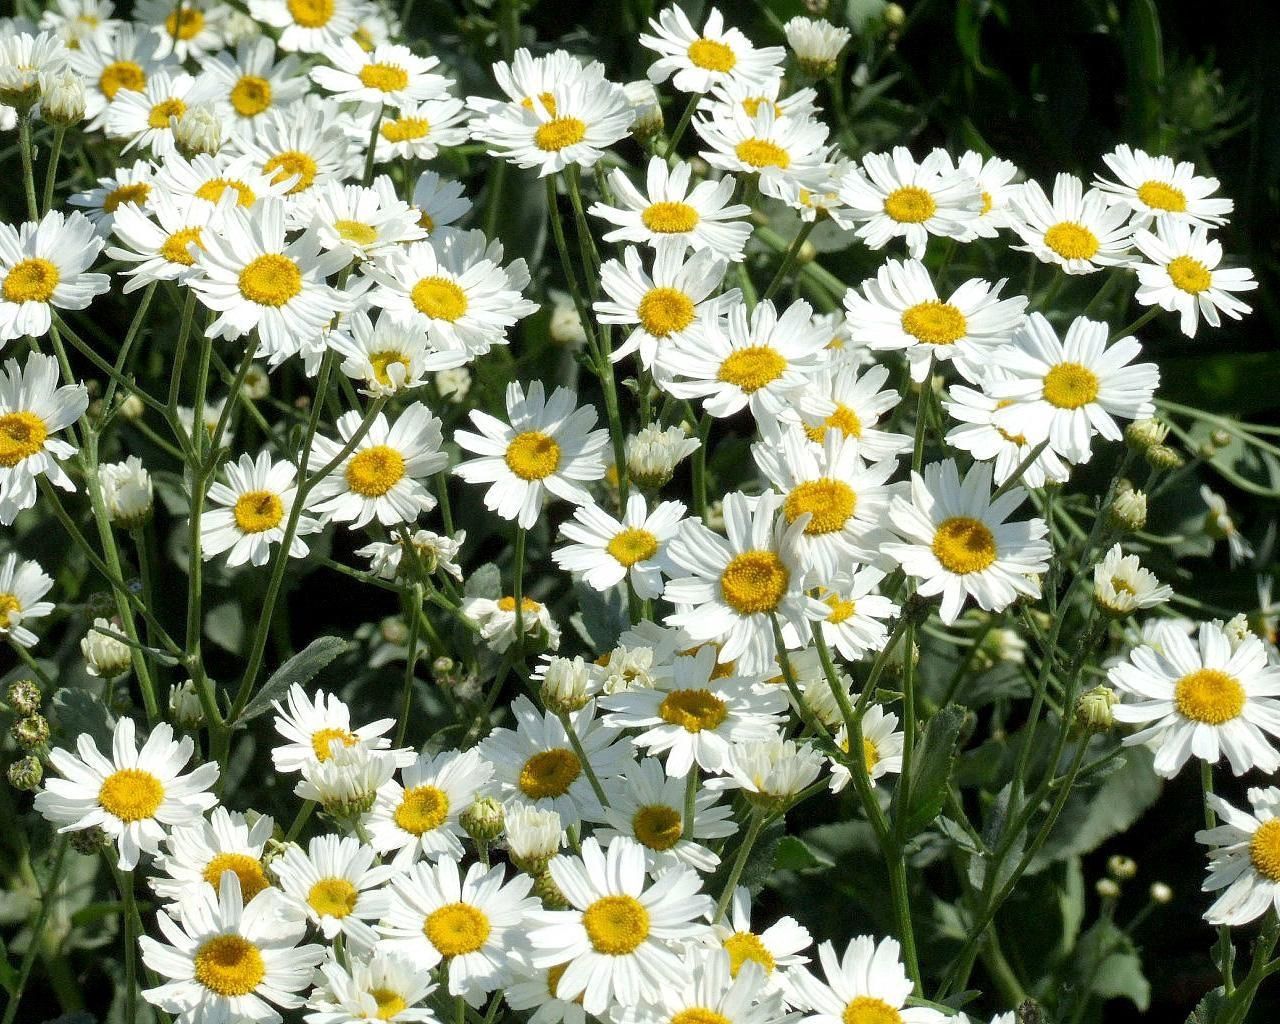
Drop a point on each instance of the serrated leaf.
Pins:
(301, 668)
(1209, 1008)
(485, 582)
(930, 771)
(79, 711)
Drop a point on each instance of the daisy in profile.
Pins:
(852, 401)
(1181, 273)
(387, 356)
(435, 553)
(900, 309)
(882, 743)
(527, 78)
(957, 542)
(388, 74)
(439, 201)
(22, 585)
(816, 44)
(1221, 525)
(499, 623)
(607, 551)
(188, 29)
(122, 61)
(1244, 862)
(309, 26)
(770, 772)
(134, 795)
(780, 149)
(244, 84)
(1075, 229)
(346, 783)
(670, 214)
(311, 727)
(749, 97)
(197, 854)
(711, 991)
(384, 987)
(420, 130)
(1155, 188)
(160, 246)
(856, 612)
(1201, 699)
(699, 60)
(1069, 390)
(1121, 586)
(146, 117)
(868, 983)
(995, 178)
(336, 884)
(230, 960)
(548, 447)
(893, 196)
(620, 935)
(250, 510)
(33, 408)
(44, 264)
(128, 186)
(776, 950)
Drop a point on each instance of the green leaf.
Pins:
(1208, 1009)
(602, 616)
(1107, 966)
(931, 771)
(1144, 55)
(8, 973)
(79, 711)
(224, 625)
(301, 668)
(795, 855)
(485, 582)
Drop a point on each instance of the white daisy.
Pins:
(856, 612)
(384, 987)
(528, 78)
(710, 991)
(1155, 188)
(32, 409)
(995, 183)
(309, 26)
(21, 587)
(186, 29)
(1245, 859)
(1182, 274)
(205, 179)
(346, 783)
(775, 950)
(42, 264)
(498, 622)
(197, 854)
(389, 74)
(421, 130)
(244, 85)
(146, 117)
(882, 743)
(699, 60)
(336, 884)
(981, 435)
(1077, 230)
(606, 550)
(782, 150)
(816, 44)
(748, 96)
(867, 984)
(851, 401)
(435, 553)
(304, 145)
(1122, 586)
(769, 771)
(311, 727)
(163, 248)
(250, 510)
(81, 22)
(129, 186)
(439, 201)
(122, 62)
(537, 989)
(388, 356)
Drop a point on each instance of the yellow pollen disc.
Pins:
(212, 190)
(251, 95)
(558, 133)
(229, 965)
(752, 106)
(356, 232)
(986, 204)
(870, 755)
(22, 434)
(131, 794)
(747, 946)
(754, 582)
(271, 280)
(869, 1010)
(964, 545)
(439, 298)
(184, 23)
(665, 311)
(910, 205)
(31, 280)
(426, 222)
(383, 77)
(422, 809)
(374, 471)
(405, 129)
(1071, 241)
(335, 897)
(527, 604)
(1070, 385)
(533, 455)
(248, 869)
(934, 323)
(666, 218)
(843, 419)
(840, 608)
(9, 604)
(1209, 695)
(549, 773)
(177, 247)
(693, 710)
(545, 98)
(380, 361)
(289, 164)
(165, 109)
(1264, 850)
(752, 368)
(829, 502)
(699, 1015)
(632, 545)
(554, 974)
(456, 929)
(257, 512)
(761, 153)
(1189, 274)
(364, 39)
(311, 13)
(657, 826)
(123, 74)
(712, 55)
(322, 741)
(135, 194)
(388, 1001)
(616, 925)
(1162, 196)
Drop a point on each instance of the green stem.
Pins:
(789, 258)
(576, 743)
(410, 663)
(681, 125)
(517, 587)
(739, 862)
(1146, 318)
(26, 148)
(1226, 950)
(690, 801)
(368, 160)
(51, 174)
(124, 882)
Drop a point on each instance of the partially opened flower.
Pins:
(43, 265)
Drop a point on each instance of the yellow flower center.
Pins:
(1070, 385)
(751, 104)
(374, 471)
(9, 604)
(558, 133)
(289, 164)
(712, 55)
(355, 231)
(829, 502)
(271, 280)
(229, 965)
(986, 204)
(257, 512)
(184, 23)
(934, 323)
(311, 13)
(665, 311)
(384, 77)
(439, 298)
(699, 1015)
(422, 809)
(1071, 241)
(747, 946)
(870, 754)
(843, 419)
(549, 773)
(1264, 850)
(381, 361)
(693, 710)
(122, 74)
(554, 974)
(1209, 695)
(251, 95)
(616, 925)
(754, 582)
(388, 1001)
(165, 109)
(841, 609)
(248, 869)
(527, 605)
(131, 794)
(657, 826)
(177, 247)
(212, 190)
(31, 280)
(760, 153)
(405, 129)
(752, 368)
(869, 1010)
(632, 545)
(667, 218)
(335, 897)
(322, 740)
(1189, 274)
(456, 929)
(1162, 196)
(545, 98)
(910, 205)
(533, 455)
(964, 545)
(135, 194)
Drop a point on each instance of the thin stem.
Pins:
(27, 149)
(690, 801)
(681, 125)
(576, 743)
(51, 174)
(410, 663)
(124, 882)
(739, 862)
(1146, 318)
(789, 258)
(517, 588)
(373, 148)
(1226, 950)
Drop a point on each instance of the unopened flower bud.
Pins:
(1220, 438)
(443, 666)
(24, 697)
(1143, 434)
(545, 888)
(817, 44)
(257, 385)
(654, 453)
(894, 16)
(533, 838)
(1093, 710)
(1108, 888)
(26, 773)
(185, 708)
(127, 492)
(565, 686)
(31, 732)
(452, 385)
(64, 100)
(1122, 868)
(1129, 511)
(1161, 456)
(88, 841)
(482, 821)
(1161, 893)
(105, 656)
(394, 631)
(131, 407)
(645, 108)
(199, 130)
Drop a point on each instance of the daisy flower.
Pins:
(146, 117)
(26, 58)
(1154, 188)
(736, 585)
(882, 744)
(384, 987)
(439, 201)
(1122, 586)
(1182, 274)
(134, 795)
(244, 85)
(197, 854)
(868, 984)
(228, 959)
(900, 309)
(336, 884)
(737, 94)
(979, 433)
(186, 29)
(528, 77)
(995, 183)
(310, 26)
(606, 551)
(654, 453)
(1245, 859)
(699, 60)
(695, 714)
(620, 936)
(670, 214)
(21, 587)
(32, 409)
(957, 542)
(856, 612)
(776, 950)
(473, 923)
(80, 22)
(770, 772)
(163, 248)
(346, 783)
(1069, 390)
(388, 356)
(434, 552)
(312, 727)
(537, 989)
(250, 512)
(710, 991)
(389, 74)
(549, 446)
(1201, 699)
(305, 145)
(893, 196)
(816, 44)
(498, 622)
(205, 179)
(850, 401)
(43, 264)
(780, 149)
(123, 61)
(129, 186)
(420, 130)
(1077, 230)
(1220, 525)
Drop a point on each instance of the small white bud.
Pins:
(64, 100)
(199, 130)
(185, 708)
(127, 492)
(643, 98)
(105, 656)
